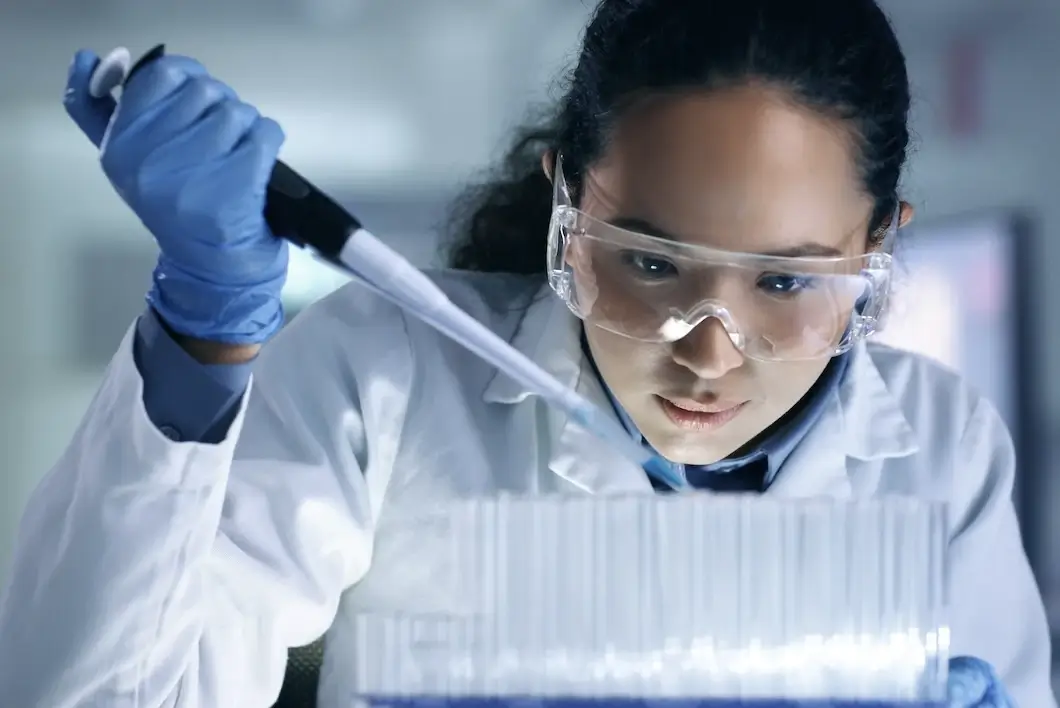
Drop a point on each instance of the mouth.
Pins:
(699, 417)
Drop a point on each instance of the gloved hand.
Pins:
(192, 161)
(973, 684)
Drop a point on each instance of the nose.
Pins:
(708, 351)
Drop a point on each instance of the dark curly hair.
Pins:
(839, 57)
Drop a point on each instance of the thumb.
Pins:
(970, 682)
(89, 113)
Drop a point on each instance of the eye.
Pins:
(649, 265)
(783, 284)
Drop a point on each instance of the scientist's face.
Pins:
(742, 169)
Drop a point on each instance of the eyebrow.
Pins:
(802, 250)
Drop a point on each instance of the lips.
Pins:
(699, 416)
(696, 407)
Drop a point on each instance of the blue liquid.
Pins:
(456, 702)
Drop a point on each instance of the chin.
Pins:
(691, 449)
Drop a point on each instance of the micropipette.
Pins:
(298, 211)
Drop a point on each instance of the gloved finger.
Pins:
(970, 683)
(92, 115)
(997, 697)
(216, 133)
(146, 93)
(179, 111)
(130, 143)
(261, 147)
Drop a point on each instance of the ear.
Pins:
(548, 164)
(905, 215)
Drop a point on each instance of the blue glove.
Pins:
(973, 684)
(192, 161)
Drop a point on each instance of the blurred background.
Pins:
(391, 105)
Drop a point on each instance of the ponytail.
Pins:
(500, 224)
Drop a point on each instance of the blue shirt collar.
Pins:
(777, 442)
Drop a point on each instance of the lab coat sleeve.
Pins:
(186, 400)
(996, 610)
(153, 573)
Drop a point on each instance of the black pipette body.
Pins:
(295, 209)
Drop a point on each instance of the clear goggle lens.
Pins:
(656, 290)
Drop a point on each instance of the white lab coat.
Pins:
(152, 573)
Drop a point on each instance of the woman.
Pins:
(198, 526)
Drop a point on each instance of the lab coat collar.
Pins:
(863, 421)
(549, 334)
(872, 420)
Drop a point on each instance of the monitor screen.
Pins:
(953, 299)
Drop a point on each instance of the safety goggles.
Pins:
(657, 290)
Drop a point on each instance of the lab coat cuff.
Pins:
(117, 438)
(186, 400)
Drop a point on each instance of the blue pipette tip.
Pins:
(592, 419)
(663, 471)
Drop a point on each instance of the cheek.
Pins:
(784, 384)
(626, 364)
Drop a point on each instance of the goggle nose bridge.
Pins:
(706, 310)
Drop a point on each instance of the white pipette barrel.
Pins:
(371, 260)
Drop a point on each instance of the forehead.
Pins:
(742, 169)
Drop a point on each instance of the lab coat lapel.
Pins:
(550, 336)
(581, 458)
(862, 426)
